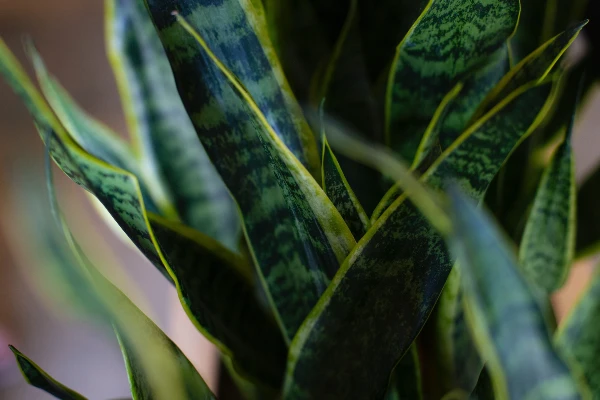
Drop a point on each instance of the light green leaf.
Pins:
(297, 237)
(37, 377)
(577, 336)
(339, 191)
(450, 39)
(387, 287)
(165, 138)
(252, 60)
(548, 243)
(504, 316)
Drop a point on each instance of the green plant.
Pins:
(324, 272)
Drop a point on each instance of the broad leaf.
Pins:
(165, 138)
(387, 287)
(577, 336)
(37, 377)
(296, 235)
(450, 39)
(339, 191)
(548, 243)
(506, 321)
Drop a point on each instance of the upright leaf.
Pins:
(236, 32)
(296, 235)
(588, 229)
(506, 320)
(388, 285)
(165, 138)
(450, 39)
(548, 243)
(339, 191)
(406, 379)
(37, 377)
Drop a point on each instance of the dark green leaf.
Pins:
(296, 235)
(548, 243)
(577, 336)
(588, 215)
(37, 377)
(484, 389)
(504, 316)
(165, 138)
(339, 191)
(387, 287)
(406, 378)
(451, 38)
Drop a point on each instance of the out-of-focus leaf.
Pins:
(506, 321)
(484, 389)
(406, 378)
(339, 191)
(577, 336)
(387, 287)
(534, 68)
(295, 233)
(434, 55)
(548, 243)
(236, 33)
(165, 138)
(588, 215)
(37, 377)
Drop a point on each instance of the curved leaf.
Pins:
(339, 191)
(449, 40)
(406, 379)
(296, 235)
(385, 290)
(235, 31)
(37, 377)
(507, 322)
(164, 136)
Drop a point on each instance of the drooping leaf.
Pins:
(406, 379)
(37, 377)
(164, 136)
(236, 33)
(388, 285)
(450, 39)
(297, 236)
(339, 191)
(506, 321)
(577, 336)
(548, 243)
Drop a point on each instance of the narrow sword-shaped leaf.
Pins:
(37, 377)
(339, 191)
(506, 321)
(577, 336)
(383, 293)
(165, 137)
(548, 243)
(296, 235)
(588, 229)
(449, 40)
(406, 379)
(235, 31)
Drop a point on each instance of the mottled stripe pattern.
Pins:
(171, 153)
(451, 39)
(390, 282)
(507, 320)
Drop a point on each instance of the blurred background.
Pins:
(70, 36)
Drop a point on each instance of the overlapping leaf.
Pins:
(506, 320)
(451, 38)
(171, 154)
(406, 379)
(37, 377)
(297, 237)
(386, 289)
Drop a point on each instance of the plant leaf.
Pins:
(506, 321)
(385, 290)
(165, 137)
(434, 55)
(252, 60)
(37, 377)
(588, 230)
(296, 235)
(339, 191)
(576, 338)
(548, 243)
(406, 378)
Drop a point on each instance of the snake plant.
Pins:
(353, 199)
